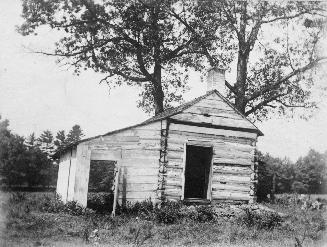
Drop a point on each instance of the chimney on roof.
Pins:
(216, 80)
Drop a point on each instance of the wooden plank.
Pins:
(230, 178)
(137, 179)
(230, 187)
(115, 189)
(214, 112)
(140, 162)
(220, 154)
(215, 120)
(136, 153)
(238, 161)
(106, 154)
(175, 155)
(177, 128)
(230, 195)
(214, 104)
(137, 194)
(174, 138)
(138, 187)
(232, 170)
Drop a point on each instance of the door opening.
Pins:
(101, 178)
(197, 172)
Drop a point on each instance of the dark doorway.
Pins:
(197, 172)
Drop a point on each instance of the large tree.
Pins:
(278, 50)
(152, 43)
(136, 42)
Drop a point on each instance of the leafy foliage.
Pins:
(152, 44)
(75, 134)
(278, 51)
(307, 175)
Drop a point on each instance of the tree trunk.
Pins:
(157, 92)
(243, 56)
(240, 99)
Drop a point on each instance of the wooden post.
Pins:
(83, 159)
(115, 189)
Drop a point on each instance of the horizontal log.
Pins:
(215, 120)
(141, 195)
(173, 184)
(176, 138)
(173, 197)
(138, 171)
(175, 164)
(230, 178)
(235, 155)
(230, 188)
(134, 179)
(230, 195)
(139, 187)
(224, 169)
(238, 161)
(175, 155)
(135, 153)
(139, 162)
(177, 128)
(201, 110)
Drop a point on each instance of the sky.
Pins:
(38, 94)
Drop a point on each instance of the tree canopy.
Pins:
(152, 44)
(308, 175)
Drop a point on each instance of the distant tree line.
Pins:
(27, 162)
(308, 175)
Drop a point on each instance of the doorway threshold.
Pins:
(197, 201)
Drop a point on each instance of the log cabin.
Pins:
(201, 151)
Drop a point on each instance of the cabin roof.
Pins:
(164, 115)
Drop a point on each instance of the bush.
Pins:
(50, 204)
(261, 220)
(100, 202)
(206, 213)
(145, 208)
(169, 212)
(53, 204)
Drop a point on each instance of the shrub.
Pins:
(144, 208)
(206, 213)
(100, 202)
(261, 220)
(169, 212)
(17, 197)
(50, 204)
(53, 204)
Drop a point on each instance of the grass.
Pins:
(37, 219)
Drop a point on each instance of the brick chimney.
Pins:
(216, 80)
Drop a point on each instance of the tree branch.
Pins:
(286, 17)
(264, 103)
(284, 79)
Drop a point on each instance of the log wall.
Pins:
(233, 161)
